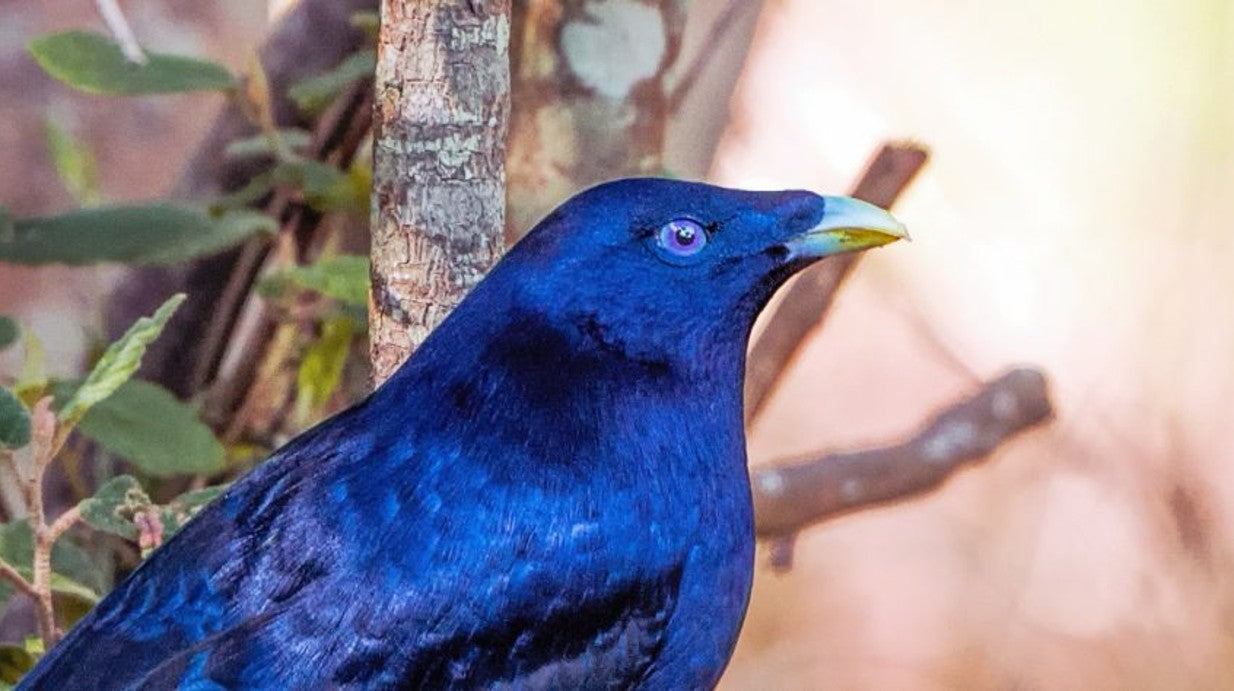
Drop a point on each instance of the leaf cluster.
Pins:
(141, 461)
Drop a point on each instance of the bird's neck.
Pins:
(559, 393)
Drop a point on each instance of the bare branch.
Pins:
(723, 24)
(10, 574)
(47, 438)
(113, 17)
(810, 295)
(62, 524)
(44, 442)
(790, 497)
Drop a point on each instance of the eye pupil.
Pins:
(682, 237)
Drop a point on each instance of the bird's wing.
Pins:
(255, 589)
(609, 642)
(201, 580)
(600, 639)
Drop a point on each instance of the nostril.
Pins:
(778, 252)
(802, 217)
(800, 209)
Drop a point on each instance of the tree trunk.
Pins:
(442, 107)
(591, 101)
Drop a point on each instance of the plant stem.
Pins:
(10, 574)
(48, 438)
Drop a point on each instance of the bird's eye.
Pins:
(682, 237)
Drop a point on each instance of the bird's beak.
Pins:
(847, 225)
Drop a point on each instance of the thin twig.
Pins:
(41, 581)
(308, 40)
(809, 298)
(47, 438)
(62, 524)
(43, 443)
(10, 574)
(113, 17)
(230, 362)
(790, 497)
(12, 495)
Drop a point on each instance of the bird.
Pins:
(551, 492)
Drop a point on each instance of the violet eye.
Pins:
(682, 237)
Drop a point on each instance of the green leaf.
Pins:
(67, 559)
(17, 548)
(257, 187)
(9, 331)
(314, 94)
(74, 163)
(343, 277)
(63, 585)
(354, 195)
(315, 178)
(260, 145)
(324, 187)
(113, 506)
(14, 421)
(368, 21)
(15, 661)
(179, 510)
(322, 366)
(32, 380)
(154, 233)
(93, 63)
(71, 600)
(147, 425)
(118, 363)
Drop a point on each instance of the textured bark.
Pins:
(591, 98)
(440, 122)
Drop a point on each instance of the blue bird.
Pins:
(551, 493)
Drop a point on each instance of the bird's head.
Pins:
(653, 268)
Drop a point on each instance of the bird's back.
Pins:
(373, 558)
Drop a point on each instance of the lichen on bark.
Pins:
(591, 99)
(441, 114)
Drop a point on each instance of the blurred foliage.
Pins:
(141, 461)
(8, 331)
(342, 277)
(312, 95)
(155, 233)
(74, 163)
(14, 421)
(95, 64)
(322, 367)
(77, 573)
(15, 660)
(297, 140)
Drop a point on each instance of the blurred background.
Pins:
(1073, 215)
